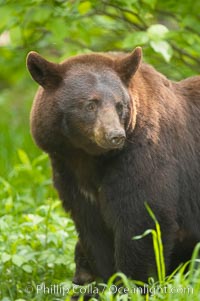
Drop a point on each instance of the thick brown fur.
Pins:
(120, 134)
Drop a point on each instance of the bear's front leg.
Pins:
(96, 240)
(123, 208)
(136, 258)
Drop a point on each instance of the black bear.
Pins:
(119, 134)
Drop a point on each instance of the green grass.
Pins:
(37, 237)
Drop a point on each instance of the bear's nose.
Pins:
(116, 139)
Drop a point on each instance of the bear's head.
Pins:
(83, 102)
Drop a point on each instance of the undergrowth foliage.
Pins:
(36, 237)
(37, 243)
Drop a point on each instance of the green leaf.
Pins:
(5, 18)
(23, 157)
(150, 3)
(58, 28)
(133, 18)
(27, 268)
(40, 15)
(5, 257)
(163, 48)
(84, 7)
(4, 225)
(135, 39)
(9, 204)
(18, 260)
(157, 32)
(16, 36)
(34, 219)
(40, 159)
(147, 232)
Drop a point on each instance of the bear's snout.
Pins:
(116, 138)
(108, 137)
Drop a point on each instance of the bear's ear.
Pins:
(128, 65)
(45, 73)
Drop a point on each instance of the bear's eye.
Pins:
(91, 106)
(119, 107)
